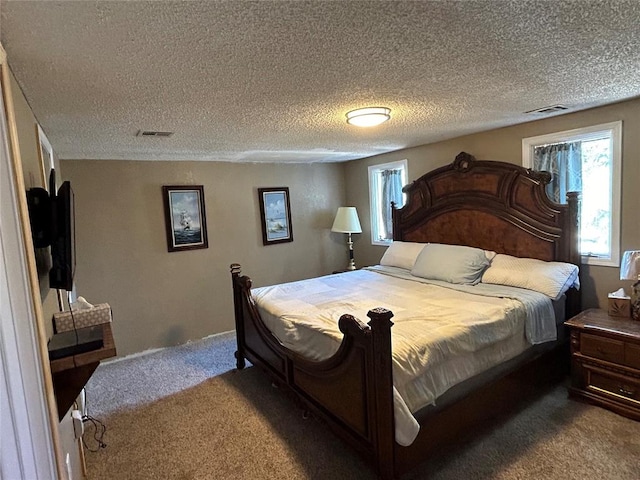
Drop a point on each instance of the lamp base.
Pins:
(635, 301)
(352, 262)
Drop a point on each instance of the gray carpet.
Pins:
(138, 380)
(185, 413)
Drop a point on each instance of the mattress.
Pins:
(443, 334)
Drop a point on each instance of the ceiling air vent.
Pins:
(152, 133)
(551, 109)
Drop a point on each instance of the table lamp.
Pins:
(630, 270)
(347, 221)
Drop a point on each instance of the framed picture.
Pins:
(45, 153)
(275, 214)
(185, 217)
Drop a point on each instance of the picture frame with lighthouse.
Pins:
(185, 217)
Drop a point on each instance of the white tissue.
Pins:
(81, 304)
(617, 294)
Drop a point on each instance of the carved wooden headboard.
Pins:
(491, 205)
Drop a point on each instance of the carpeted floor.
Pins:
(137, 380)
(185, 413)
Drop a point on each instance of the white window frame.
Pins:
(614, 129)
(373, 170)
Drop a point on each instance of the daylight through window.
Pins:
(585, 160)
(385, 186)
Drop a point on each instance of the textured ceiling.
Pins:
(272, 80)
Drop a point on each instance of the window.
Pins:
(587, 160)
(385, 186)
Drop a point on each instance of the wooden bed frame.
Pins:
(491, 205)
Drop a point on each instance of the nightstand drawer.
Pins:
(619, 388)
(632, 355)
(602, 348)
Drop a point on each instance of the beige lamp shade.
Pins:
(346, 221)
(630, 266)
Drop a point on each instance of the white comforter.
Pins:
(442, 334)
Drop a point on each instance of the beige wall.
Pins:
(160, 298)
(26, 126)
(506, 145)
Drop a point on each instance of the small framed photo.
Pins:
(275, 214)
(185, 217)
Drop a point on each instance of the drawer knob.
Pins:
(626, 391)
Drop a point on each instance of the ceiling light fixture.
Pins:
(368, 117)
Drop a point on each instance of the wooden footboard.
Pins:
(352, 390)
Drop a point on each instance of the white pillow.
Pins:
(451, 263)
(550, 278)
(401, 254)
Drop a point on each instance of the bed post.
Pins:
(236, 269)
(383, 381)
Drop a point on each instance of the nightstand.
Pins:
(605, 361)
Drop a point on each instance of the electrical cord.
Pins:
(98, 433)
(73, 320)
(99, 427)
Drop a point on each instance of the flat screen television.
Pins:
(63, 235)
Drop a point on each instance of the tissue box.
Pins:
(63, 321)
(620, 307)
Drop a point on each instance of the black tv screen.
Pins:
(63, 257)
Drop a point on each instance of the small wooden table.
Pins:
(605, 361)
(71, 374)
